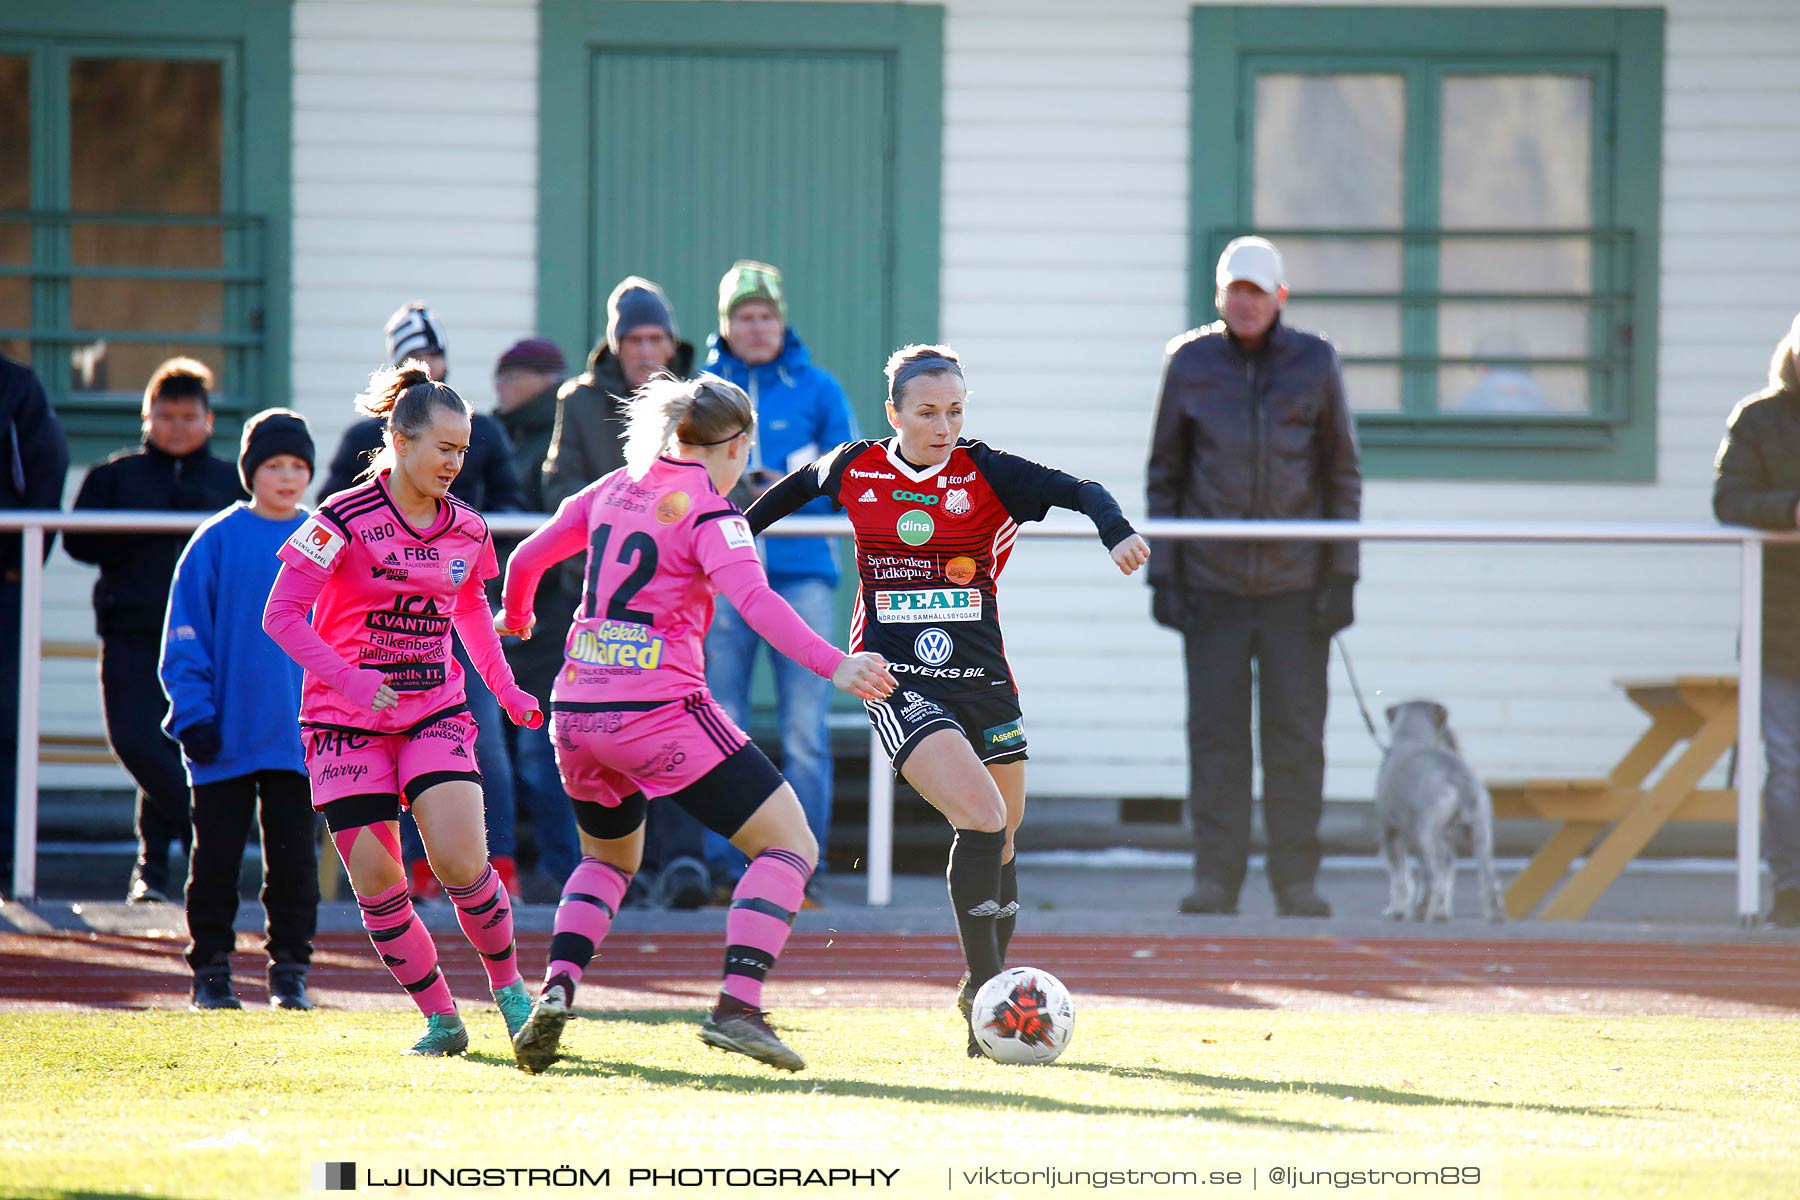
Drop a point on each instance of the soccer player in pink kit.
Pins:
(388, 568)
(631, 718)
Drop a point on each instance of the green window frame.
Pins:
(252, 43)
(572, 30)
(1621, 52)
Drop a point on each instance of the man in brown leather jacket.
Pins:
(1756, 482)
(1251, 424)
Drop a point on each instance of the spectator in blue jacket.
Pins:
(488, 483)
(234, 705)
(801, 413)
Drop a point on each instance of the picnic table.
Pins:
(1611, 819)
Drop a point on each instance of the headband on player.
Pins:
(734, 437)
(921, 366)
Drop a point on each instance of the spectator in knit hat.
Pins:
(641, 339)
(234, 705)
(525, 383)
(801, 413)
(489, 484)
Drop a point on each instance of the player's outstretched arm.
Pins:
(797, 489)
(560, 537)
(742, 582)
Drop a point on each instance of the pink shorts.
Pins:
(343, 762)
(608, 751)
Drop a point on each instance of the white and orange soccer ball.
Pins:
(1023, 1015)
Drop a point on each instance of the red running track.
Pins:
(73, 972)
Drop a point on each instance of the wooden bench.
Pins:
(1698, 714)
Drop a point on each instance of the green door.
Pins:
(680, 137)
(705, 157)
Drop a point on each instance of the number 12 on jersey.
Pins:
(640, 544)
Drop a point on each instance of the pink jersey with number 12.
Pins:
(659, 549)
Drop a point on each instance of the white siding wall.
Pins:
(1064, 252)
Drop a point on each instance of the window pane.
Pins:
(1330, 154)
(15, 193)
(1329, 150)
(1517, 153)
(1512, 331)
(146, 135)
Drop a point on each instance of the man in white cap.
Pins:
(1252, 424)
(1756, 482)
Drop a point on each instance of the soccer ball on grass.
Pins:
(1023, 1015)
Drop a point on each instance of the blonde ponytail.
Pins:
(706, 411)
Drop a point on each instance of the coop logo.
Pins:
(915, 527)
(933, 647)
(334, 1177)
(935, 604)
(915, 498)
(616, 644)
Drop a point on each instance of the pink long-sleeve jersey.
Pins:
(384, 596)
(658, 550)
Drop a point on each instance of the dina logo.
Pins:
(915, 527)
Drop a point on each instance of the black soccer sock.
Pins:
(974, 877)
(1009, 905)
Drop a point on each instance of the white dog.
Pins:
(1426, 795)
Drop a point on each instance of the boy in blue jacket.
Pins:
(234, 705)
(801, 414)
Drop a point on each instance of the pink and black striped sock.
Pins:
(405, 945)
(763, 907)
(484, 911)
(590, 900)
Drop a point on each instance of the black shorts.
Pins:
(991, 724)
(722, 799)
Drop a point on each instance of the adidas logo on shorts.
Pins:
(987, 908)
(867, 497)
(458, 752)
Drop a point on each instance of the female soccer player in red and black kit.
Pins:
(935, 517)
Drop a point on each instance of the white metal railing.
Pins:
(881, 783)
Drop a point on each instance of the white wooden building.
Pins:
(1073, 162)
